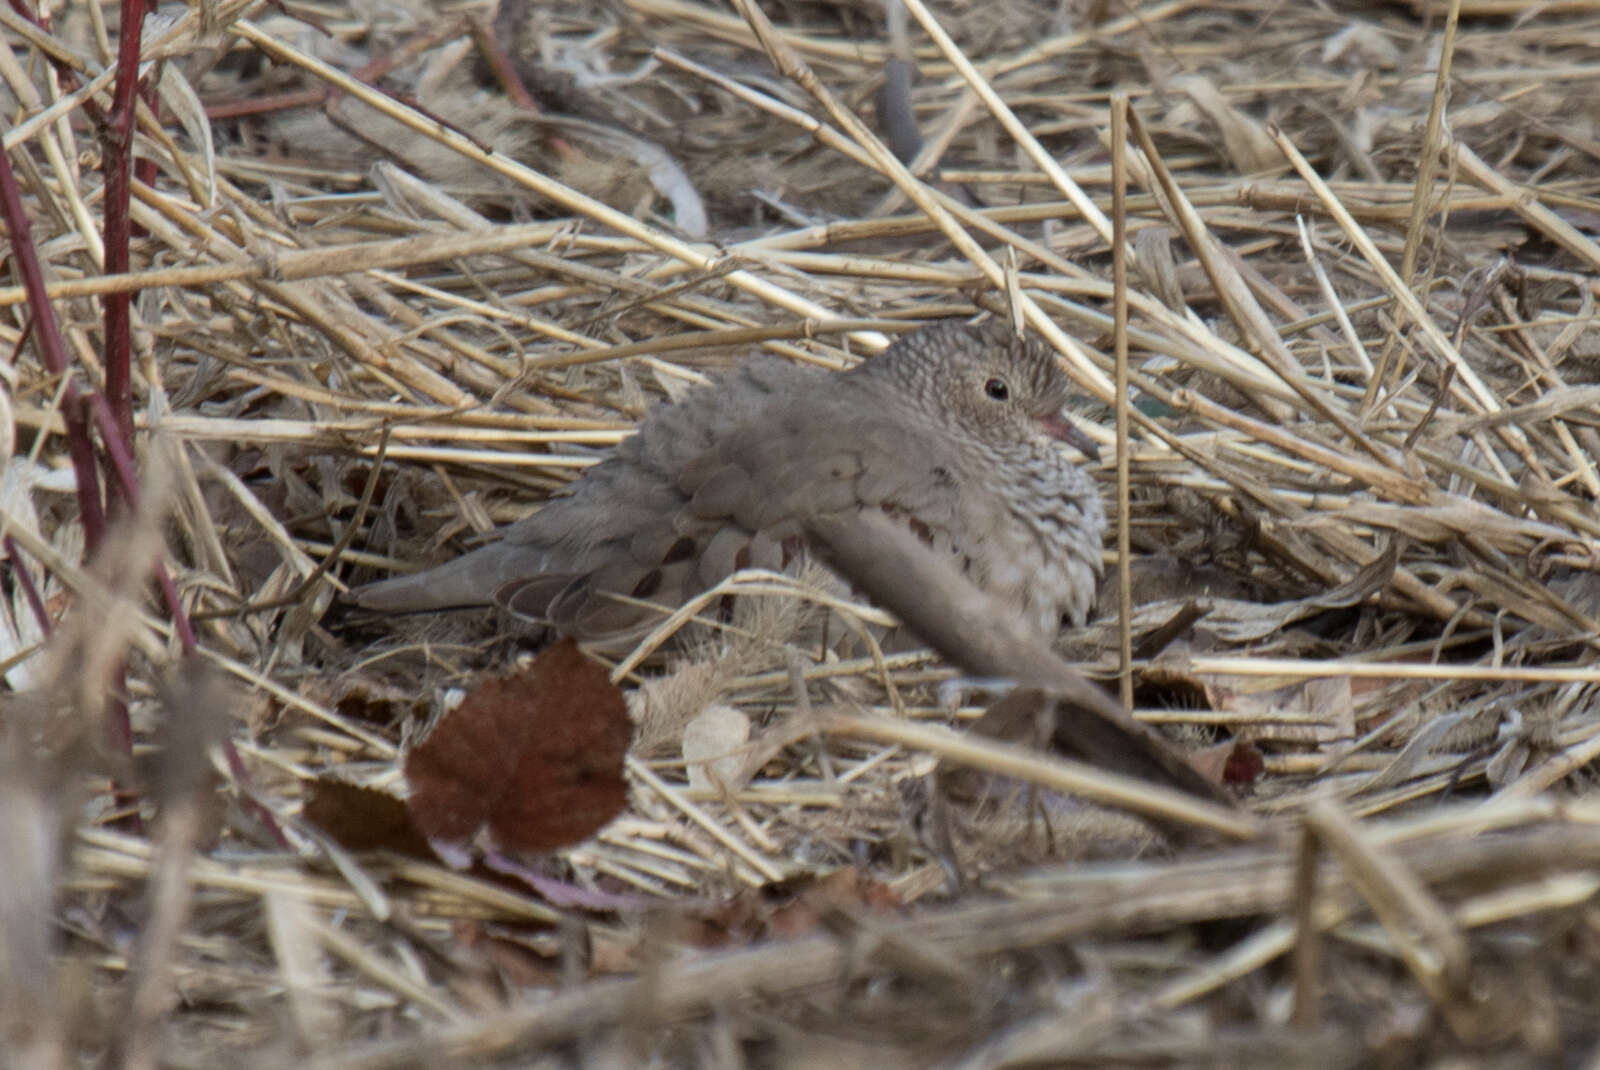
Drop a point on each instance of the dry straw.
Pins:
(1359, 439)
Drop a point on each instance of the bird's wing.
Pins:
(815, 459)
(741, 501)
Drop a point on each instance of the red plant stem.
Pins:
(53, 352)
(144, 168)
(116, 416)
(128, 484)
(114, 412)
(19, 569)
(119, 726)
(241, 776)
(80, 445)
(180, 619)
(118, 163)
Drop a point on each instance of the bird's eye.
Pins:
(997, 390)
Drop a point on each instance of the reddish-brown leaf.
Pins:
(527, 763)
(364, 819)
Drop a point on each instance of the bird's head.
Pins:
(1002, 389)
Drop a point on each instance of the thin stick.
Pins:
(1392, 670)
(1119, 311)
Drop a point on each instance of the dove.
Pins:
(955, 432)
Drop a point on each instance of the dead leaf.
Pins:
(528, 763)
(360, 818)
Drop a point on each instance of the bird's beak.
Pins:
(1058, 427)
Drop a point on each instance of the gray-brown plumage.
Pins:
(951, 431)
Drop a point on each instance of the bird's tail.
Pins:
(469, 580)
